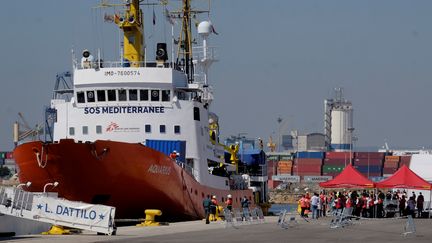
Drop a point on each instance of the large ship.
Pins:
(113, 132)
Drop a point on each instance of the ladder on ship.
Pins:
(57, 211)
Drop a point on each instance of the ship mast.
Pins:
(184, 57)
(131, 22)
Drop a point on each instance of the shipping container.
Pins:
(389, 170)
(272, 157)
(339, 155)
(370, 169)
(372, 174)
(332, 168)
(368, 162)
(370, 155)
(309, 155)
(308, 173)
(285, 157)
(334, 174)
(168, 146)
(338, 162)
(405, 160)
(285, 163)
(391, 164)
(392, 158)
(309, 162)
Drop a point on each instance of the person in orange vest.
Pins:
(173, 155)
(229, 202)
(303, 205)
(213, 208)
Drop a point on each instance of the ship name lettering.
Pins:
(75, 212)
(159, 169)
(124, 109)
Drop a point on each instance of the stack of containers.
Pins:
(391, 165)
(272, 164)
(405, 160)
(369, 163)
(308, 163)
(285, 167)
(335, 162)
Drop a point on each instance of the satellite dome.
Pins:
(204, 28)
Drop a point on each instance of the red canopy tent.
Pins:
(404, 178)
(348, 178)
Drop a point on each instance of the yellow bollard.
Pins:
(150, 217)
(218, 216)
(56, 230)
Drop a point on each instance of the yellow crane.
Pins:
(271, 145)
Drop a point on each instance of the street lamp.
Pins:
(351, 130)
(28, 184)
(50, 184)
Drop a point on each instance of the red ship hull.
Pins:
(130, 177)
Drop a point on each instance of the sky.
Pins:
(277, 58)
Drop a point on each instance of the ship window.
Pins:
(148, 128)
(196, 114)
(90, 96)
(162, 129)
(101, 95)
(99, 129)
(122, 95)
(177, 129)
(80, 97)
(155, 95)
(133, 94)
(166, 95)
(85, 130)
(71, 131)
(112, 95)
(144, 94)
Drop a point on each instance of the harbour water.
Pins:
(276, 208)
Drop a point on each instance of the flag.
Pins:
(168, 17)
(213, 30)
(154, 18)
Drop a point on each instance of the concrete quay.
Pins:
(363, 230)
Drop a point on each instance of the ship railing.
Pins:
(189, 169)
(204, 54)
(124, 64)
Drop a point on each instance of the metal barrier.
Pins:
(287, 221)
(409, 226)
(244, 216)
(342, 219)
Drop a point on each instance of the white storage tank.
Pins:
(341, 127)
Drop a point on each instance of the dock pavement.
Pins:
(363, 230)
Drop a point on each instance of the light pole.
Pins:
(28, 184)
(50, 184)
(351, 130)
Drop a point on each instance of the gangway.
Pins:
(46, 208)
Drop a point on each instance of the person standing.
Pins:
(402, 203)
(420, 202)
(314, 205)
(303, 205)
(206, 204)
(245, 207)
(213, 208)
(229, 202)
(411, 206)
